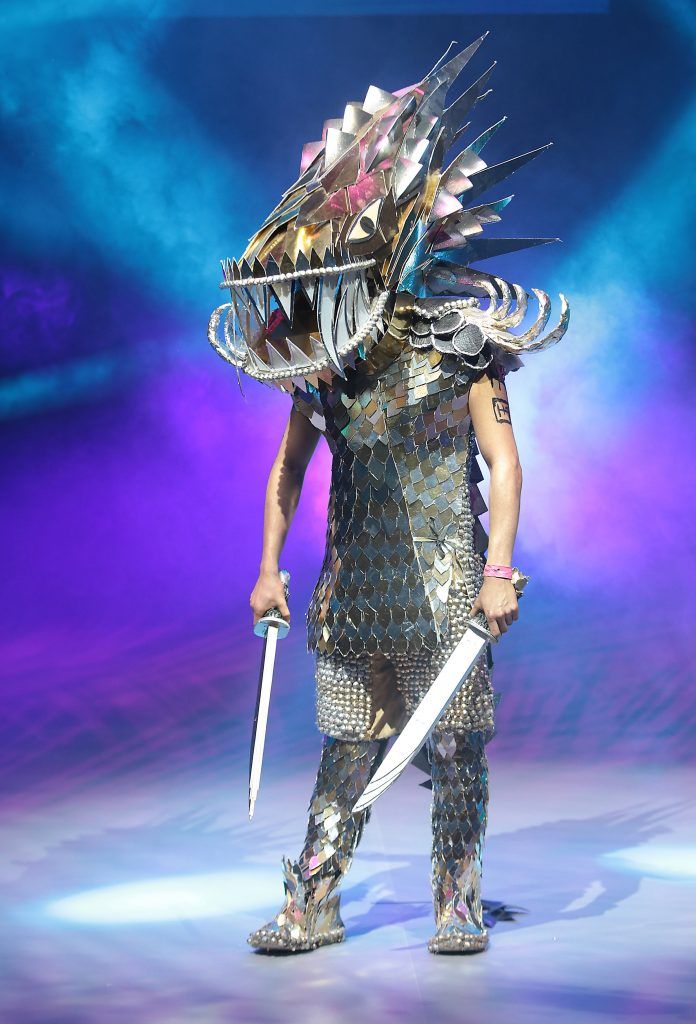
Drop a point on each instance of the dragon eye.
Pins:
(365, 224)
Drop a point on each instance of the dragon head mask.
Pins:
(373, 224)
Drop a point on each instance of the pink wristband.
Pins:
(501, 571)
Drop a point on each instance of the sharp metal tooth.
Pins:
(309, 287)
(241, 304)
(318, 353)
(283, 292)
(276, 360)
(260, 271)
(257, 361)
(235, 341)
(255, 314)
(271, 267)
(326, 304)
(341, 331)
(240, 298)
(255, 294)
(306, 283)
(355, 302)
(349, 308)
(361, 301)
(287, 265)
(298, 358)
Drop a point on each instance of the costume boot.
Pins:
(459, 772)
(310, 915)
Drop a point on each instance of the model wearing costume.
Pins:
(356, 297)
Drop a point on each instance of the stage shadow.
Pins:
(556, 870)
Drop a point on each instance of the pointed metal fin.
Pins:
(484, 248)
(482, 180)
(484, 138)
(457, 111)
(448, 72)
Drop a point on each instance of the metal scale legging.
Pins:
(459, 774)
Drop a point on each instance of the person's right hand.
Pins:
(269, 593)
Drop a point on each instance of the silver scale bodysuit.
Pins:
(404, 545)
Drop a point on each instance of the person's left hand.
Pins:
(497, 599)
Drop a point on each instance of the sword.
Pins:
(272, 627)
(442, 692)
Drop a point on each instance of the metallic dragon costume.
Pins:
(357, 297)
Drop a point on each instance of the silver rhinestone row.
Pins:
(309, 272)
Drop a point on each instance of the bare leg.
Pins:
(310, 915)
(459, 772)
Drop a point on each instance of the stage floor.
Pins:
(131, 901)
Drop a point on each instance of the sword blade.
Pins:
(442, 691)
(263, 698)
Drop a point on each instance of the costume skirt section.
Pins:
(372, 696)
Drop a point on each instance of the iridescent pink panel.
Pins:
(366, 189)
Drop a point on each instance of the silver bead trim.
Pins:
(435, 312)
(309, 272)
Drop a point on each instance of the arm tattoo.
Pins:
(501, 410)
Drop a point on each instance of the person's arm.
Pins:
(490, 415)
(282, 495)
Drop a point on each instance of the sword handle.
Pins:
(272, 616)
(479, 624)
